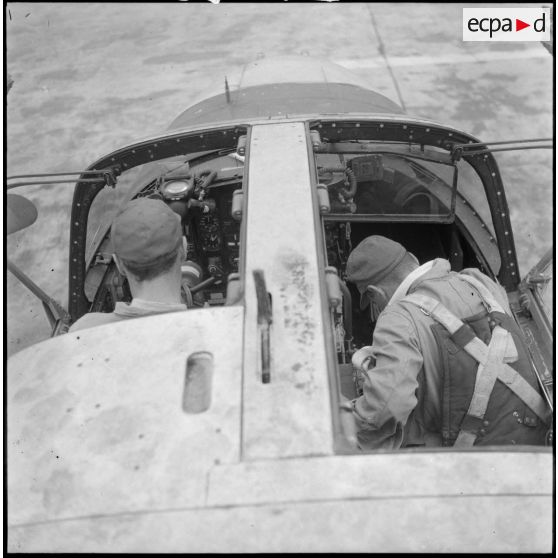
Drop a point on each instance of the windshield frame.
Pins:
(206, 142)
(417, 131)
(400, 128)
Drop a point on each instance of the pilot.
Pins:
(148, 249)
(423, 383)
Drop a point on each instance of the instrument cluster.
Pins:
(203, 196)
(214, 242)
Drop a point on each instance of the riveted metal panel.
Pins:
(292, 414)
(95, 419)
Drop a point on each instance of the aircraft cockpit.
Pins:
(389, 180)
(205, 189)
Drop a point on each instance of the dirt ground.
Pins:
(89, 78)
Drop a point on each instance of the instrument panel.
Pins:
(214, 241)
(209, 229)
(216, 233)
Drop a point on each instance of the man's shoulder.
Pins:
(454, 290)
(399, 315)
(94, 319)
(495, 288)
(479, 276)
(441, 277)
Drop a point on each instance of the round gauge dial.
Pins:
(177, 189)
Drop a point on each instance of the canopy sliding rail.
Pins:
(475, 148)
(109, 177)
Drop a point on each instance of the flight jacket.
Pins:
(407, 357)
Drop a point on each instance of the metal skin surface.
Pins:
(287, 99)
(297, 399)
(102, 457)
(116, 465)
(96, 423)
(390, 525)
(283, 86)
(383, 502)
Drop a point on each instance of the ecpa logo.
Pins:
(506, 24)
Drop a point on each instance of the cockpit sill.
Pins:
(118, 360)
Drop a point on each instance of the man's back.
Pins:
(148, 249)
(409, 384)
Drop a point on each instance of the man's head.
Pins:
(377, 266)
(147, 238)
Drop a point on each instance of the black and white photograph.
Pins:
(278, 277)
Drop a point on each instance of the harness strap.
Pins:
(493, 305)
(432, 307)
(487, 374)
(485, 294)
(480, 352)
(475, 347)
(521, 387)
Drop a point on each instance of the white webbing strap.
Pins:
(437, 310)
(484, 293)
(504, 350)
(487, 375)
(521, 387)
(493, 305)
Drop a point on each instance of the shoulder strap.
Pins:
(491, 361)
(487, 374)
(460, 332)
(487, 297)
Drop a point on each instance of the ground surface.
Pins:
(90, 77)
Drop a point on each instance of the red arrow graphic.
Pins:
(519, 25)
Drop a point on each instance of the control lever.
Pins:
(265, 319)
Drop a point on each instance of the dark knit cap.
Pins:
(145, 230)
(371, 261)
